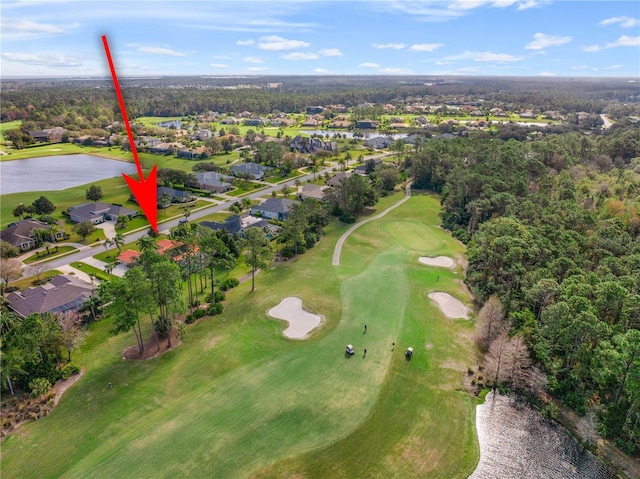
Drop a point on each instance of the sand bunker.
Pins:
(301, 322)
(441, 261)
(450, 306)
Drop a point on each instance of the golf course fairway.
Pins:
(238, 399)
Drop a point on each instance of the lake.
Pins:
(58, 172)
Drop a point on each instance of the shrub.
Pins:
(229, 283)
(197, 314)
(69, 370)
(215, 308)
(219, 296)
(39, 387)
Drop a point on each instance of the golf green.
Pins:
(238, 399)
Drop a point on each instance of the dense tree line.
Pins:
(553, 232)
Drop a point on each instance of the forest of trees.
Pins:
(553, 234)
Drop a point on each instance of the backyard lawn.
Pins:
(238, 399)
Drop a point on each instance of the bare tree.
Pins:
(71, 333)
(490, 322)
(10, 270)
(508, 363)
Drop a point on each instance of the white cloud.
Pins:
(471, 4)
(483, 57)
(245, 43)
(396, 71)
(623, 41)
(625, 22)
(274, 42)
(393, 46)
(542, 40)
(156, 50)
(425, 47)
(321, 70)
(443, 62)
(218, 65)
(369, 65)
(613, 67)
(12, 29)
(330, 52)
(257, 69)
(546, 73)
(252, 60)
(580, 67)
(528, 4)
(43, 59)
(300, 56)
(221, 57)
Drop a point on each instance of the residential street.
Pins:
(165, 227)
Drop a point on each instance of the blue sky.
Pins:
(306, 37)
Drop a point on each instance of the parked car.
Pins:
(350, 349)
(409, 352)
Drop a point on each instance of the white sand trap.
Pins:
(450, 306)
(441, 261)
(301, 322)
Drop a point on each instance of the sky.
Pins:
(560, 38)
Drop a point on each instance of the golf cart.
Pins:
(409, 353)
(350, 349)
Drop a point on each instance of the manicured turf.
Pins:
(239, 399)
(55, 252)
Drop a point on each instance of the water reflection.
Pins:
(517, 442)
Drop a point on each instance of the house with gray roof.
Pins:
(21, 233)
(274, 208)
(167, 195)
(213, 181)
(98, 212)
(378, 142)
(63, 293)
(250, 169)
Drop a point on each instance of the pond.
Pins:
(58, 172)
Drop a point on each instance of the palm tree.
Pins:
(109, 267)
(107, 244)
(147, 243)
(118, 240)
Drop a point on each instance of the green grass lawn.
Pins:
(54, 252)
(92, 270)
(245, 188)
(28, 282)
(238, 399)
(8, 125)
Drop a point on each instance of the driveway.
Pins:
(109, 228)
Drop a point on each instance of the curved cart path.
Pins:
(338, 248)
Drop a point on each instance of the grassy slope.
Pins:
(238, 397)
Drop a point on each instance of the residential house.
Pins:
(250, 169)
(165, 148)
(61, 294)
(368, 167)
(232, 225)
(51, 135)
(305, 144)
(337, 178)
(236, 225)
(21, 233)
(229, 121)
(528, 114)
(337, 123)
(310, 123)
(283, 122)
(203, 135)
(213, 181)
(499, 112)
(367, 124)
(254, 122)
(273, 208)
(128, 257)
(312, 191)
(315, 110)
(192, 153)
(98, 212)
(166, 196)
(378, 142)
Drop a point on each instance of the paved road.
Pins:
(164, 227)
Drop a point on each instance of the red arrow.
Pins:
(144, 190)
